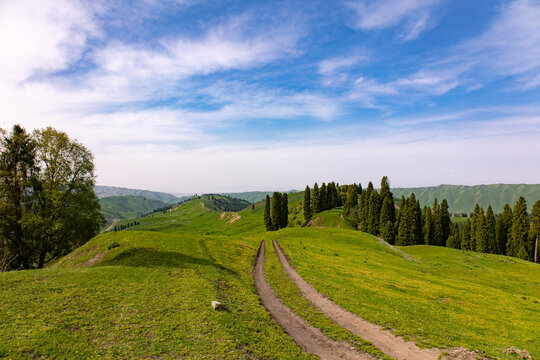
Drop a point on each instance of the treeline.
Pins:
(405, 222)
(276, 211)
(121, 227)
(512, 232)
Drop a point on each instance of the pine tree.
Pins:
(308, 211)
(284, 213)
(316, 200)
(352, 199)
(364, 207)
(535, 231)
(466, 236)
(324, 197)
(275, 211)
(454, 238)
(386, 225)
(436, 216)
(475, 217)
(490, 231)
(267, 217)
(410, 223)
(480, 230)
(331, 197)
(374, 213)
(428, 226)
(517, 245)
(445, 222)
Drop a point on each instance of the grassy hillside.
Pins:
(442, 297)
(129, 206)
(145, 292)
(253, 196)
(222, 202)
(463, 198)
(104, 191)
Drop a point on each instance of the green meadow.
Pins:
(145, 292)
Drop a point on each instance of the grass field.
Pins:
(145, 292)
(445, 298)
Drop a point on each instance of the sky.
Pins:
(219, 96)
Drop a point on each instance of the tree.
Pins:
(475, 218)
(364, 207)
(63, 211)
(466, 236)
(17, 179)
(410, 223)
(436, 216)
(351, 201)
(374, 213)
(517, 245)
(275, 210)
(535, 231)
(316, 199)
(308, 211)
(428, 226)
(454, 239)
(480, 232)
(284, 213)
(324, 197)
(445, 222)
(267, 217)
(386, 224)
(503, 229)
(490, 231)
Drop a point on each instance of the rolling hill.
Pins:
(462, 198)
(105, 191)
(145, 292)
(128, 206)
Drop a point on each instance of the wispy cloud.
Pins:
(413, 16)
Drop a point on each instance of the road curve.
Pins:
(309, 338)
(387, 342)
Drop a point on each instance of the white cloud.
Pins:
(414, 15)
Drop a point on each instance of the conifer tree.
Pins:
(331, 198)
(490, 231)
(454, 239)
(428, 226)
(466, 236)
(364, 207)
(480, 230)
(284, 213)
(386, 225)
(436, 217)
(374, 213)
(308, 211)
(445, 222)
(316, 201)
(517, 245)
(534, 236)
(324, 197)
(267, 217)
(410, 223)
(275, 211)
(508, 218)
(352, 199)
(475, 218)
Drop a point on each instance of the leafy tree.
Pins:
(275, 210)
(267, 217)
(535, 229)
(17, 180)
(517, 245)
(308, 211)
(316, 199)
(64, 211)
(284, 212)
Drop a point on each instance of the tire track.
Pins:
(309, 338)
(387, 342)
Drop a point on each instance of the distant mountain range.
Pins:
(462, 198)
(105, 191)
(128, 206)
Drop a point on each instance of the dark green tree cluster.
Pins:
(324, 198)
(121, 227)
(377, 213)
(512, 232)
(276, 211)
(47, 201)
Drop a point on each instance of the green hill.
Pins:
(105, 191)
(222, 202)
(462, 198)
(253, 196)
(129, 206)
(145, 292)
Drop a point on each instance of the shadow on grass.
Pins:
(150, 258)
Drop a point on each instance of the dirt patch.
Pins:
(313, 223)
(233, 217)
(387, 342)
(202, 205)
(95, 259)
(309, 338)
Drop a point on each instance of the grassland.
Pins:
(145, 292)
(127, 207)
(446, 298)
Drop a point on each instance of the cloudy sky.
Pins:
(211, 96)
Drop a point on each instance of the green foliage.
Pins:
(284, 211)
(466, 236)
(267, 217)
(57, 209)
(410, 223)
(490, 231)
(535, 230)
(385, 220)
(374, 212)
(317, 206)
(222, 202)
(275, 210)
(517, 245)
(428, 228)
(109, 191)
(308, 210)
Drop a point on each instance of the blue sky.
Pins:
(208, 96)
